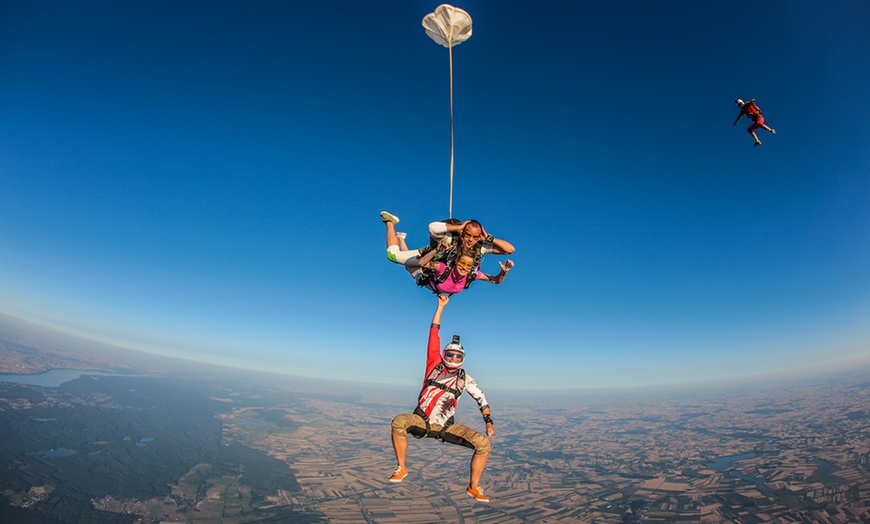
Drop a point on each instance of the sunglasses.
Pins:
(469, 235)
(465, 265)
(454, 355)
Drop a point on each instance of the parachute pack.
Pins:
(751, 109)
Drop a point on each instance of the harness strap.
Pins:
(456, 392)
(422, 414)
(437, 435)
(449, 258)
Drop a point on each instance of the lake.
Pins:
(724, 463)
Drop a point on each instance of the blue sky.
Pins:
(203, 179)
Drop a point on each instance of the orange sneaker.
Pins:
(477, 494)
(399, 474)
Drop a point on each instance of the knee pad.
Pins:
(392, 251)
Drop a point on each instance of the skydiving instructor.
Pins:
(444, 382)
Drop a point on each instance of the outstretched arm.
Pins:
(433, 348)
(442, 301)
(496, 279)
(739, 116)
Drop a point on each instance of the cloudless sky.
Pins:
(203, 179)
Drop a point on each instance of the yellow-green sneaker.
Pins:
(387, 217)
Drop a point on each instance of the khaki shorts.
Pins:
(456, 434)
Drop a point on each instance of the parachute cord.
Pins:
(450, 48)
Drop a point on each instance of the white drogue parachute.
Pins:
(449, 26)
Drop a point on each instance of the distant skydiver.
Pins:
(445, 265)
(753, 112)
(444, 382)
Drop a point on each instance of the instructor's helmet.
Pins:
(455, 352)
(739, 102)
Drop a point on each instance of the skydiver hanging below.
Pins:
(447, 265)
(753, 112)
(433, 417)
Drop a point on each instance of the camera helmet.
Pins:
(454, 348)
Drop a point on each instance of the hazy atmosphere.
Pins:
(203, 180)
